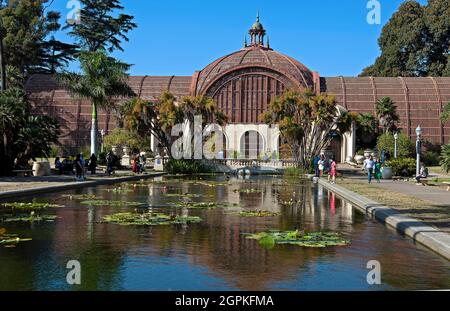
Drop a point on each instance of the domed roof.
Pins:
(257, 26)
(255, 56)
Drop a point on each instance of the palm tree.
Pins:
(445, 158)
(367, 127)
(445, 115)
(103, 78)
(387, 113)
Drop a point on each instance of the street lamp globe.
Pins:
(419, 131)
(396, 135)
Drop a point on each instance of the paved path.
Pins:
(20, 186)
(434, 194)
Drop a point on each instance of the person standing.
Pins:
(93, 164)
(378, 170)
(333, 171)
(369, 165)
(316, 165)
(79, 167)
(321, 165)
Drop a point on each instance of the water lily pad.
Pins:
(10, 240)
(149, 219)
(80, 196)
(299, 238)
(205, 205)
(256, 213)
(247, 191)
(31, 206)
(29, 218)
(110, 203)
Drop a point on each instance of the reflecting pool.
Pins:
(213, 254)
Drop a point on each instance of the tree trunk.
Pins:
(2, 65)
(94, 130)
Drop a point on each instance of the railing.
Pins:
(237, 163)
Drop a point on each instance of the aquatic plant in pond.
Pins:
(149, 219)
(28, 218)
(31, 206)
(110, 203)
(179, 195)
(80, 196)
(119, 190)
(205, 205)
(247, 191)
(10, 240)
(256, 214)
(300, 238)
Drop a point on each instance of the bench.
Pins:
(23, 173)
(448, 185)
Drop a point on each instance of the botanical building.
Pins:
(244, 82)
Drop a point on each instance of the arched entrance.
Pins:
(252, 145)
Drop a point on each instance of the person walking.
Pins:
(79, 167)
(378, 170)
(369, 165)
(333, 171)
(93, 164)
(110, 163)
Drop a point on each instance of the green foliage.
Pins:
(366, 130)
(29, 218)
(101, 26)
(121, 137)
(445, 116)
(295, 172)
(431, 158)
(308, 122)
(186, 167)
(387, 114)
(415, 42)
(149, 219)
(405, 167)
(24, 136)
(405, 147)
(445, 158)
(29, 45)
(300, 238)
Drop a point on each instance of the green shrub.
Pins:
(121, 137)
(431, 158)
(186, 167)
(294, 172)
(445, 158)
(405, 147)
(405, 167)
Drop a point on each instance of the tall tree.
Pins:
(415, 42)
(309, 122)
(100, 27)
(387, 114)
(159, 118)
(27, 38)
(445, 115)
(102, 79)
(366, 130)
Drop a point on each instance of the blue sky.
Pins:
(179, 37)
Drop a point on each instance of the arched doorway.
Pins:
(252, 145)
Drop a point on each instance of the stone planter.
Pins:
(115, 150)
(386, 173)
(359, 159)
(368, 153)
(42, 169)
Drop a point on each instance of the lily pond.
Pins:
(206, 233)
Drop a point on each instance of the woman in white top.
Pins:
(321, 164)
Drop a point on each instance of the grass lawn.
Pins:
(429, 212)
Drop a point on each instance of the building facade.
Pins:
(243, 84)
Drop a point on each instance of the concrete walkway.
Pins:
(433, 194)
(420, 232)
(11, 187)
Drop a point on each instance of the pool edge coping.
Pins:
(75, 185)
(430, 237)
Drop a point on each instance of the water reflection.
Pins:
(214, 255)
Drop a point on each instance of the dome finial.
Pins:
(257, 32)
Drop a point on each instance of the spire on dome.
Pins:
(257, 33)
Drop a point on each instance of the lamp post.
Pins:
(102, 132)
(395, 144)
(418, 148)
